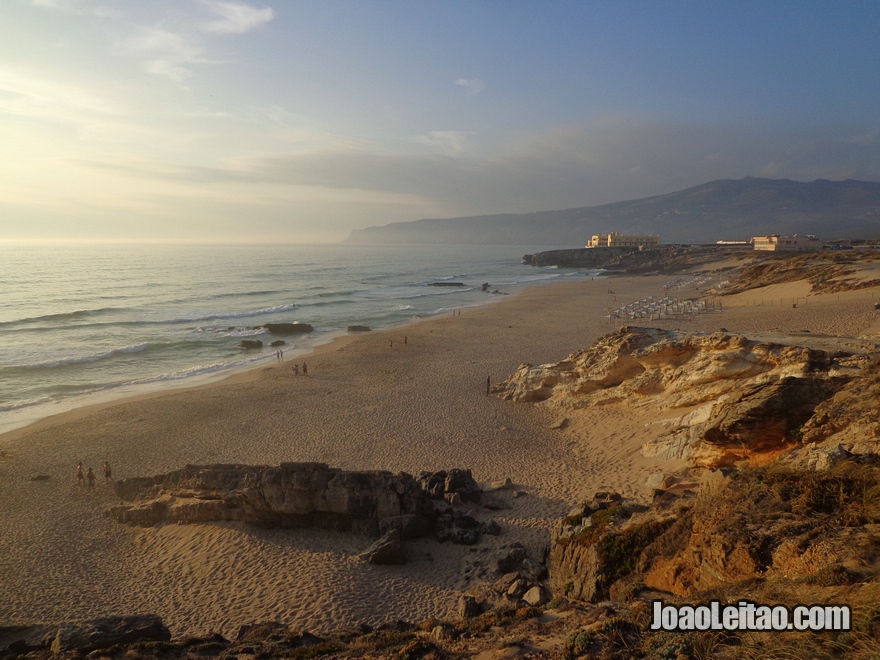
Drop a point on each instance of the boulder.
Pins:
(287, 328)
(511, 560)
(410, 526)
(359, 328)
(468, 607)
(535, 596)
(250, 343)
(387, 550)
(518, 588)
(447, 482)
(278, 342)
(15, 640)
(87, 636)
(447, 284)
(493, 503)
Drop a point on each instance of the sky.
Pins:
(289, 121)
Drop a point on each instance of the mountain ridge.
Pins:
(731, 209)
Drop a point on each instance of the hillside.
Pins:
(724, 209)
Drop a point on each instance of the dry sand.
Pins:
(364, 405)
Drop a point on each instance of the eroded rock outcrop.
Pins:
(81, 637)
(718, 398)
(755, 524)
(306, 495)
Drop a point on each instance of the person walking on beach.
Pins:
(90, 478)
(108, 473)
(404, 340)
(80, 476)
(305, 368)
(296, 370)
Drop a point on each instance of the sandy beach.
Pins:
(370, 402)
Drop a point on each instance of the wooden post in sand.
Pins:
(488, 384)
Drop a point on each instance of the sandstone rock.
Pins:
(560, 423)
(446, 482)
(747, 399)
(87, 636)
(518, 588)
(454, 499)
(493, 503)
(535, 596)
(15, 640)
(410, 526)
(532, 570)
(468, 607)
(491, 528)
(387, 550)
(441, 633)
(511, 560)
(289, 495)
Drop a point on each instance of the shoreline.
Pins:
(241, 373)
(364, 406)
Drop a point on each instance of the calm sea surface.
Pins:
(82, 324)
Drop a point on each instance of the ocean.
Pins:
(83, 324)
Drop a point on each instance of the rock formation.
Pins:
(82, 637)
(721, 398)
(760, 523)
(307, 495)
(250, 343)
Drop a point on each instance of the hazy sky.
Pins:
(298, 121)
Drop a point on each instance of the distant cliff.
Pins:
(665, 259)
(723, 209)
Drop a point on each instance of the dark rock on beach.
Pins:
(278, 342)
(250, 343)
(387, 550)
(306, 495)
(287, 328)
(447, 284)
(82, 636)
(359, 328)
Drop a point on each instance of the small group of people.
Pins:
(88, 477)
(279, 355)
(305, 369)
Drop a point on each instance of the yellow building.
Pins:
(777, 243)
(622, 240)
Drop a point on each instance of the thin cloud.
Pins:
(451, 143)
(30, 96)
(473, 85)
(236, 17)
(167, 54)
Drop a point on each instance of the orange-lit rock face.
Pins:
(718, 399)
